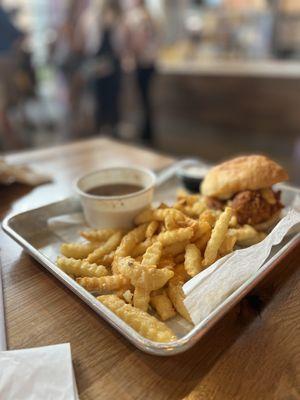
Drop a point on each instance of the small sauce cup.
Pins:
(115, 211)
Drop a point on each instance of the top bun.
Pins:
(242, 173)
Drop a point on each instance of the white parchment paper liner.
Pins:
(208, 289)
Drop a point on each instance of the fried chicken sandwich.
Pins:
(245, 183)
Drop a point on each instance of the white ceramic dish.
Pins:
(115, 211)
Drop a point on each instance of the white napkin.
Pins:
(38, 373)
(10, 173)
(210, 288)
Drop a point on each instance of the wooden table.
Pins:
(252, 353)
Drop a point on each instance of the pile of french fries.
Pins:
(139, 274)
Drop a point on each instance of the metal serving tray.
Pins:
(32, 230)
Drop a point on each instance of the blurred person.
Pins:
(68, 54)
(10, 43)
(10, 35)
(142, 43)
(68, 48)
(107, 68)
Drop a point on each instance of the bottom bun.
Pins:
(269, 224)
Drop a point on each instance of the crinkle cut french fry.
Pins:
(188, 210)
(125, 294)
(130, 240)
(140, 248)
(180, 205)
(77, 250)
(177, 235)
(104, 283)
(217, 236)
(144, 279)
(200, 229)
(128, 296)
(180, 273)
(111, 244)
(130, 244)
(167, 262)
(150, 215)
(253, 240)
(176, 296)
(227, 245)
(192, 210)
(145, 324)
(150, 278)
(80, 267)
(181, 219)
(107, 259)
(152, 254)
(170, 222)
(141, 298)
(193, 260)
(198, 207)
(208, 216)
(163, 306)
(97, 235)
(151, 229)
(174, 249)
(243, 233)
(202, 242)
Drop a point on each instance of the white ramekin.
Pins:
(115, 211)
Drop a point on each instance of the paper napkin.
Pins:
(10, 173)
(38, 373)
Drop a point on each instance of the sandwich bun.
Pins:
(242, 173)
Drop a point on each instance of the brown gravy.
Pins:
(114, 189)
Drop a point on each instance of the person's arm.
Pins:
(125, 46)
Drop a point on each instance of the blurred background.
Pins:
(207, 78)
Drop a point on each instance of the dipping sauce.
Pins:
(114, 189)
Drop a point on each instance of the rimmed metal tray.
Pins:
(34, 231)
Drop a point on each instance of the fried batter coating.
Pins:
(252, 208)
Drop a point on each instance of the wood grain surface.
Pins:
(252, 353)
